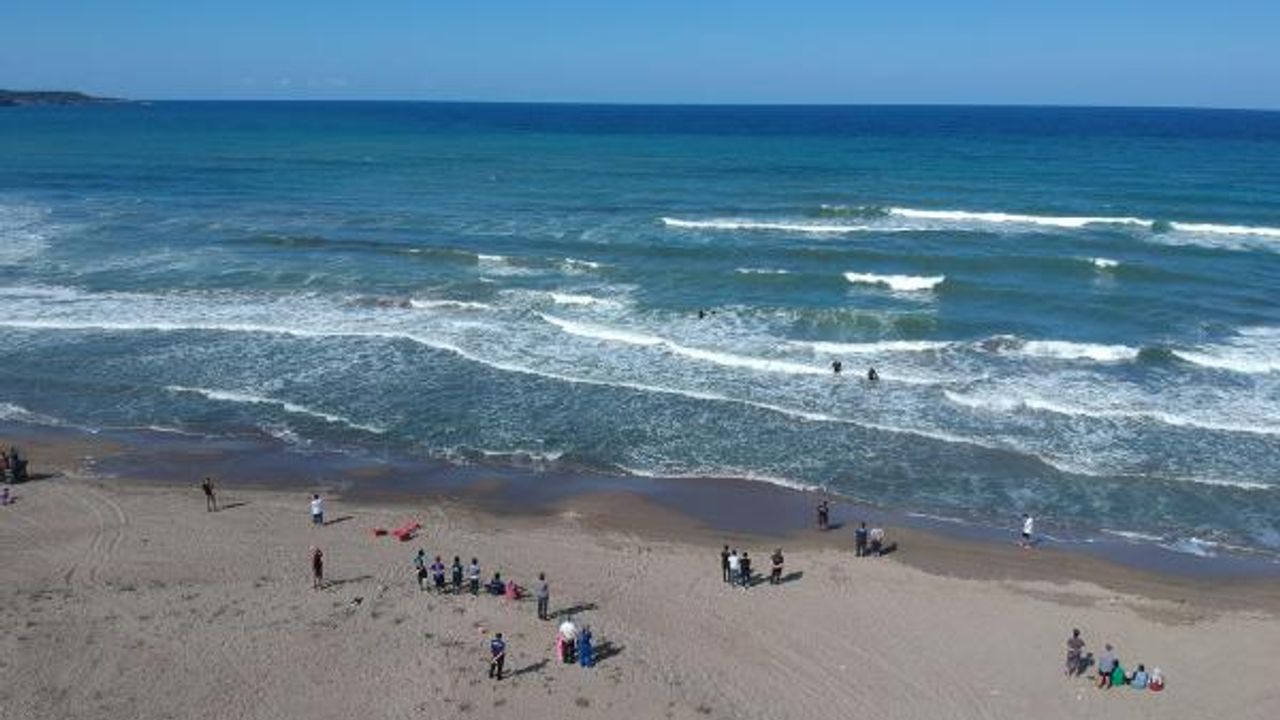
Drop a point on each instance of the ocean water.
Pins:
(1073, 312)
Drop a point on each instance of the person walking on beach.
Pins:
(824, 515)
(735, 565)
(544, 596)
(1075, 653)
(420, 565)
(1028, 527)
(437, 575)
(860, 540)
(724, 563)
(210, 500)
(473, 576)
(317, 568)
(317, 510)
(745, 572)
(775, 577)
(456, 569)
(497, 656)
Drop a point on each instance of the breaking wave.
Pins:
(900, 283)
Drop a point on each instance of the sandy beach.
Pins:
(129, 600)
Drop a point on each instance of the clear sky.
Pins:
(1223, 53)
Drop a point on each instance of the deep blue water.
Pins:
(1074, 312)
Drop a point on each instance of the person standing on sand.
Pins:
(1075, 653)
(420, 565)
(585, 653)
(735, 565)
(775, 577)
(317, 568)
(745, 572)
(724, 563)
(210, 500)
(497, 656)
(1028, 527)
(317, 510)
(473, 576)
(860, 540)
(824, 515)
(437, 575)
(456, 568)
(544, 596)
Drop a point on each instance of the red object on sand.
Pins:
(406, 531)
(379, 532)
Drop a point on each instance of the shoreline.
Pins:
(702, 512)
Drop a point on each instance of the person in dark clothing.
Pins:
(497, 656)
(544, 597)
(824, 515)
(860, 540)
(724, 563)
(836, 366)
(775, 577)
(437, 574)
(317, 568)
(473, 576)
(210, 500)
(456, 569)
(420, 565)
(746, 571)
(872, 375)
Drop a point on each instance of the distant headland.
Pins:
(9, 98)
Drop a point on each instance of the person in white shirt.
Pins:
(317, 510)
(735, 566)
(1028, 527)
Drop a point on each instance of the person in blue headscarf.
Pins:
(585, 657)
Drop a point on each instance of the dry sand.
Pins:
(123, 600)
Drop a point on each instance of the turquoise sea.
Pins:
(1073, 312)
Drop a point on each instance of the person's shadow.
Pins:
(604, 651)
(1085, 663)
(572, 610)
(535, 667)
(340, 518)
(791, 577)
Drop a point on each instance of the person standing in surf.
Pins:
(1028, 527)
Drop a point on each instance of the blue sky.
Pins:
(1120, 52)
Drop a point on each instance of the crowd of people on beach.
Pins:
(1111, 672)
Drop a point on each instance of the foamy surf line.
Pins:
(247, 399)
(730, 224)
(899, 283)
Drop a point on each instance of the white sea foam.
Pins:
(576, 299)
(629, 337)
(1104, 263)
(1062, 221)
(795, 227)
(872, 348)
(1254, 351)
(491, 258)
(577, 265)
(761, 271)
(900, 283)
(1193, 546)
(734, 473)
(1065, 350)
(1005, 404)
(451, 304)
(1212, 229)
(1133, 535)
(246, 398)
(24, 233)
(16, 413)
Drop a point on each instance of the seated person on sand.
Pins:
(513, 591)
(496, 586)
(876, 538)
(566, 640)
(1139, 678)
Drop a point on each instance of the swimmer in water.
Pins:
(836, 366)
(872, 375)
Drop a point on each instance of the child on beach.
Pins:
(735, 564)
(497, 656)
(317, 568)
(775, 577)
(317, 510)
(860, 540)
(745, 571)
(1028, 527)
(420, 564)
(585, 658)
(724, 563)
(1075, 649)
